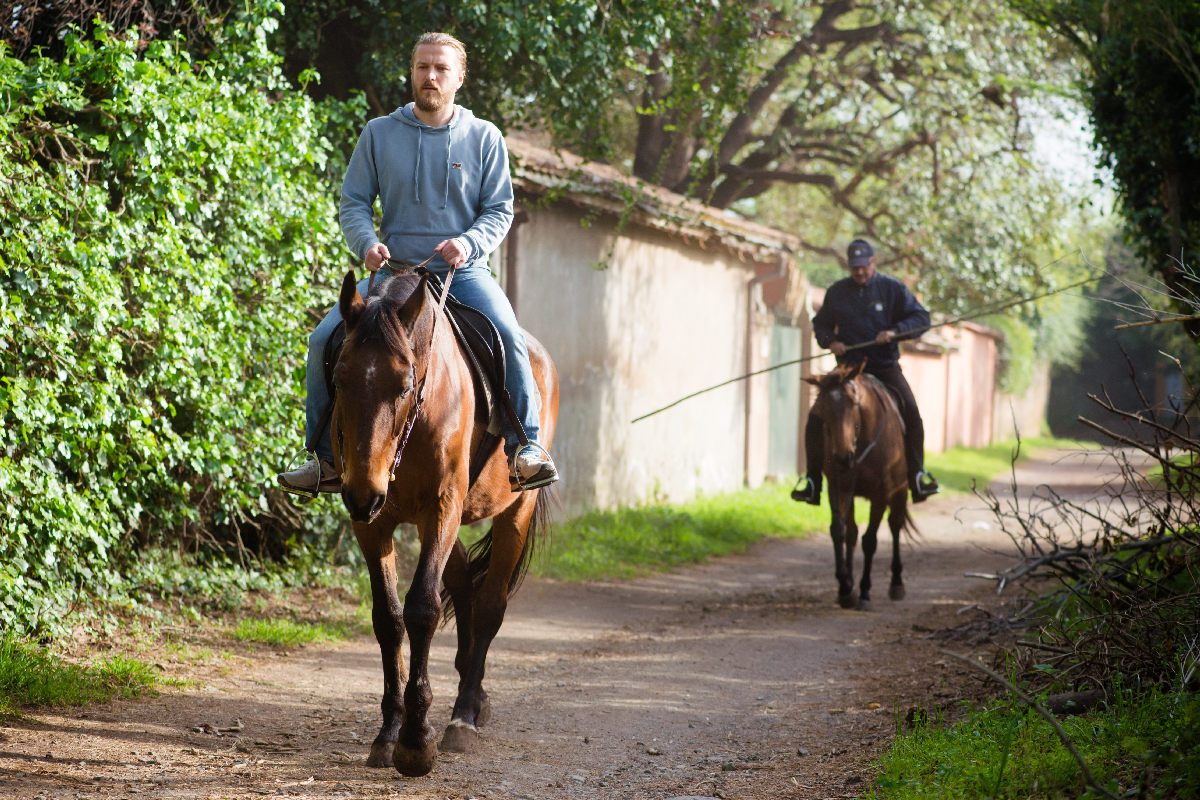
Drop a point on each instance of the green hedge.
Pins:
(167, 228)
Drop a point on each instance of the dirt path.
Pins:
(738, 679)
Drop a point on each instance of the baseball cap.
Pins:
(859, 253)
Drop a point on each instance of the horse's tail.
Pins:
(479, 556)
(910, 524)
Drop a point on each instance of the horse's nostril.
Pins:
(366, 509)
(376, 505)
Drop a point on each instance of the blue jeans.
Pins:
(473, 286)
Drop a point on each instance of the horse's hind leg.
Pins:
(508, 539)
(387, 619)
(457, 580)
(897, 517)
(869, 542)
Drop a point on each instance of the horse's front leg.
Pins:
(869, 543)
(416, 747)
(843, 533)
(387, 619)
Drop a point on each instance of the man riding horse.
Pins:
(863, 317)
(442, 179)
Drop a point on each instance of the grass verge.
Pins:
(631, 542)
(1144, 743)
(29, 675)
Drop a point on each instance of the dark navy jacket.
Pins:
(852, 315)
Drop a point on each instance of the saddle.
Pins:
(484, 351)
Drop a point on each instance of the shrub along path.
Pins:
(741, 678)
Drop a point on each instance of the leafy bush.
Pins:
(164, 225)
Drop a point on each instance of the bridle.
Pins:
(853, 384)
(418, 392)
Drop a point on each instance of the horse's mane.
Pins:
(835, 378)
(380, 321)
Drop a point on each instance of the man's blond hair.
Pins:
(444, 40)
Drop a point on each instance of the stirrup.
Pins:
(546, 475)
(809, 494)
(923, 490)
(298, 461)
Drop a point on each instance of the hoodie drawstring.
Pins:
(446, 192)
(417, 170)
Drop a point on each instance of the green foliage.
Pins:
(1142, 86)
(898, 120)
(629, 542)
(568, 54)
(1149, 741)
(1017, 356)
(1125, 365)
(163, 225)
(29, 675)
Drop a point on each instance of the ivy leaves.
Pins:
(162, 226)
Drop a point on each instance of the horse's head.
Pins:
(839, 407)
(374, 379)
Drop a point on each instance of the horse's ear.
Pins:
(815, 381)
(410, 312)
(857, 369)
(350, 303)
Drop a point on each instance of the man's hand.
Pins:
(376, 255)
(837, 348)
(454, 251)
(885, 336)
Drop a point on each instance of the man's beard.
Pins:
(432, 102)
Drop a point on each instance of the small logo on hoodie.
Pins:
(456, 165)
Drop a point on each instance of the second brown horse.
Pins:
(863, 457)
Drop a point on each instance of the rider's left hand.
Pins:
(454, 251)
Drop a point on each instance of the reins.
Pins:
(414, 409)
(879, 427)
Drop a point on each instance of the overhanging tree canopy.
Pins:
(899, 120)
(1142, 86)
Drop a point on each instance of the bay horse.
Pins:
(405, 427)
(863, 441)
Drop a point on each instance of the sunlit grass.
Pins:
(286, 633)
(32, 676)
(1005, 752)
(629, 542)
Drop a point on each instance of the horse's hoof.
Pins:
(896, 592)
(413, 762)
(848, 600)
(864, 604)
(460, 737)
(381, 754)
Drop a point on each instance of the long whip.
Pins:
(982, 312)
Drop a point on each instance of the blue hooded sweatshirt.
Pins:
(432, 183)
